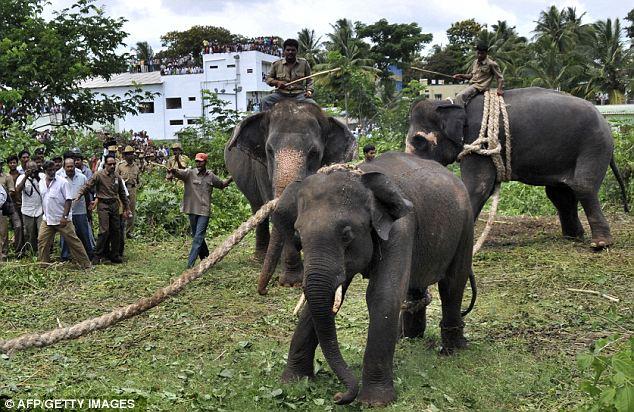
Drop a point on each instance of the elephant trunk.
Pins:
(321, 282)
(290, 165)
(273, 252)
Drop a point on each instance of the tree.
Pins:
(144, 51)
(608, 68)
(309, 46)
(392, 44)
(190, 42)
(508, 49)
(462, 35)
(43, 63)
(629, 31)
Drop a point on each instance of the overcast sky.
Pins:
(149, 19)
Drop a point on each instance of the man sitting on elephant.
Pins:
(480, 76)
(286, 70)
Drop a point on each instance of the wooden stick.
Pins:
(594, 292)
(312, 75)
(432, 72)
(157, 164)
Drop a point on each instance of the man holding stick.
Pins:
(480, 76)
(287, 70)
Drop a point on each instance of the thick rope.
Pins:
(109, 319)
(488, 144)
(488, 141)
(340, 167)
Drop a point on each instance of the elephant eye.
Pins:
(346, 235)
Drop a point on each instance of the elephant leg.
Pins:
(262, 237)
(601, 237)
(301, 354)
(566, 203)
(293, 273)
(478, 175)
(451, 290)
(414, 313)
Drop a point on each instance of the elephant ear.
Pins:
(452, 120)
(340, 144)
(250, 136)
(285, 213)
(390, 204)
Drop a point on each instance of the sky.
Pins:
(149, 19)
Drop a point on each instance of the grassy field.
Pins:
(220, 346)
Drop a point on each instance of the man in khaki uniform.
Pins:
(109, 190)
(286, 70)
(177, 161)
(6, 181)
(130, 173)
(480, 76)
(199, 184)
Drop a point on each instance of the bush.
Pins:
(611, 386)
(624, 156)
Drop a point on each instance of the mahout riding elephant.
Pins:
(271, 149)
(404, 223)
(558, 141)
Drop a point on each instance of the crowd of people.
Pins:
(41, 197)
(267, 44)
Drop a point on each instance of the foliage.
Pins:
(462, 35)
(309, 46)
(190, 42)
(393, 44)
(43, 63)
(14, 138)
(612, 384)
(624, 158)
(144, 51)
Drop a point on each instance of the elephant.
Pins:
(269, 150)
(402, 222)
(557, 140)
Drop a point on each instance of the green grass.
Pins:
(220, 346)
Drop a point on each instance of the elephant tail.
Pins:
(474, 294)
(619, 179)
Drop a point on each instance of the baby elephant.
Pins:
(402, 222)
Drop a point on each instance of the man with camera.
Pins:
(27, 186)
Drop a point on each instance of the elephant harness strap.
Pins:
(488, 141)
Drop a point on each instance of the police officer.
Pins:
(130, 173)
(177, 161)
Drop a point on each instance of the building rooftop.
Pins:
(123, 79)
(616, 109)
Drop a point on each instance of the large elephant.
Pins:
(271, 149)
(557, 140)
(405, 223)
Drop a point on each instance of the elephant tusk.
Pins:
(338, 299)
(300, 304)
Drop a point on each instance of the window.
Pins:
(146, 107)
(213, 67)
(176, 122)
(249, 70)
(173, 103)
(195, 120)
(192, 98)
(230, 65)
(438, 96)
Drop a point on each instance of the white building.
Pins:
(237, 78)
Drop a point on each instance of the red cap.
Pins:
(201, 156)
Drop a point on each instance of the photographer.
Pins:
(28, 185)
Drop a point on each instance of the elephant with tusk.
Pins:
(404, 223)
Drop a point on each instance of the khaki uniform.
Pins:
(7, 182)
(183, 163)
(130, 175)
(281, 70)
(109, 191)
(480, 78)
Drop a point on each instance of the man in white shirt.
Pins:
(79, 210)
(28, 186)
(56, 203)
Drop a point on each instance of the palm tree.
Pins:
(144, 51)
(548, 69)
(309, 46)
(608, 68)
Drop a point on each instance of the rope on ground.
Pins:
(488, 144)
(80, 329)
